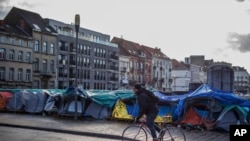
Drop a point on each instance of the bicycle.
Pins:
(140, 132)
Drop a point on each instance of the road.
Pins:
(26, 127)
(21, 134)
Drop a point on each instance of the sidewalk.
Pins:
(89, 127)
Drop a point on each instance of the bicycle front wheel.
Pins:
(134, 133)
(174, 133)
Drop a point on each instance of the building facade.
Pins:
(160, 69)
(220, 76)
(15, 58)
(146, 65)
(97, 61)
(42, 53)
(241, 80)
(180, 77)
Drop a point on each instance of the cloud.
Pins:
(4, 8)
(25, 4)
(6, 5)
(239, 42)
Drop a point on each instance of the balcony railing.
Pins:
(71, 34)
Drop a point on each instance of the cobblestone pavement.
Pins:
(90, 127)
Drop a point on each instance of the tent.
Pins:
(121, 110)
(201, 113)
(209, 104)
(53, 101)
(71, 103)
(4, 98)
(231, 115)
(15, 102)
(101, 104)
(31, 101)
(126, 106)
(169, 104)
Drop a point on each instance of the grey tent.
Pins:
(31, 101)
(231, 115)
(34, 101)
(67, 105)
(97, 111)
(15, 103)
(101, 104)
(52, 103)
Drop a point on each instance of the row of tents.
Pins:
(203, 108)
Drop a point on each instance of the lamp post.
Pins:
(77, 24)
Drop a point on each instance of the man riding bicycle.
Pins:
(146, 107)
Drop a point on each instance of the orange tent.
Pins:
(192, 117)
(4, 98)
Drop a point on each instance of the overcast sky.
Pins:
(181, 28)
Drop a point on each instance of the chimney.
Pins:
(158, 48)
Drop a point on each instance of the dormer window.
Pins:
(47, 29)
(36, 27)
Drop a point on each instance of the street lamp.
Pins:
(77, 24)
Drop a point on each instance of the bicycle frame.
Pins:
(162, 129)
(142, 125)
(140, 131)
(135, 132)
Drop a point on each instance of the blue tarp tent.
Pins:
(207, 104)
(205, 91)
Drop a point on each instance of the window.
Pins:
(60, 45)
(28, 57)
(52, 48)
(2, 73)
(11, 54)
(20, 42)
(81, 49)
(44, 47)
(2, 53)
(20, 75)
(12, 41)
(37, 27)
(104, 53)
(29, 44)
(11, 74)
(36, 64)
(52, 65)
(36, 46)
(36, 84)
(3, 39)
(28, 75)
(85, 49)
(20, 56)
(88, 53)
(51, 85)
(44, 66)
(98, 53)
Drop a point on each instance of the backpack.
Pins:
(153, 97)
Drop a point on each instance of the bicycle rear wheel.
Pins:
(174, 133)
(134, 133)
